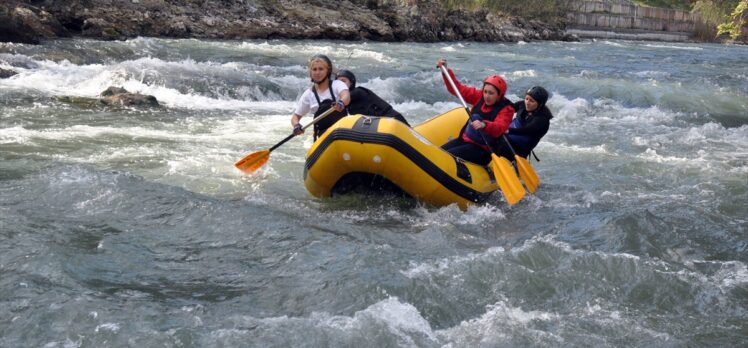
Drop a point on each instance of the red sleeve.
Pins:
(500, 124)
(470, 94)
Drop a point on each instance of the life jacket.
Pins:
(477, 114)
(321, 126)
(366, 102)
(521, 141)
(524, 144)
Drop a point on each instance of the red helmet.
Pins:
(498, 82)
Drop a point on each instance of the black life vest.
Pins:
(366, 102)
(525, 143)
(321, 126)
(477, 114)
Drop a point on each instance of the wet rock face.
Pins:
(379, 20)
(24, 23)
(4, 73)
(130, 99)
(112, 96)
(117, 96)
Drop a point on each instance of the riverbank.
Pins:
(388, 20)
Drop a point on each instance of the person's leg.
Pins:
(453, 143)
(469, 152)
(504, 151)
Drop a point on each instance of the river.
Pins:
(131, 227)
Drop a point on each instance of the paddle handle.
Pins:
(315, 120)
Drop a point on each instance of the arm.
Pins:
(536, 126)
(345, 96)
(340, 89)
(302, 107)
(498, 126)
(470, 94)
(295, 119)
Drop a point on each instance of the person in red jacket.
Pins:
(491, 115)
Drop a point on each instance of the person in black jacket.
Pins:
(530, 123)
(366, 102)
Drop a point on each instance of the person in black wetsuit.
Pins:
(366, 102)
(530, 123)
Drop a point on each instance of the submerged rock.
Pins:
(4, 73)
(80, 101)
(112, 96)
(130, 99)
(121, 97)
(112, 91)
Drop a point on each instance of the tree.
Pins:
(736, 21)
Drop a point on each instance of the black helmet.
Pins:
(349, 75)
(539, 94)
(326, 60)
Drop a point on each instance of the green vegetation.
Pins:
(720, 17)
(736, 21)
(717, 16)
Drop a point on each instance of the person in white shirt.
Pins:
(324, 94)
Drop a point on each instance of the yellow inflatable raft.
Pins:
(379, 152)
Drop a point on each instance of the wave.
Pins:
(153, 76)
(386, 323)
(675, 47)
(336, 53)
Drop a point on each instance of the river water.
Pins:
(131, 227)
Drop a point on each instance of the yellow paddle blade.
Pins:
(507, 179)
(528, 174)
(253, 161)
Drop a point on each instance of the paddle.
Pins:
(528, 175)
(255, 160)
(503, 171)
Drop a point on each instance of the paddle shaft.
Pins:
(464, 104)
(315, 120)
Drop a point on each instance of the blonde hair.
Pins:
(321, 58)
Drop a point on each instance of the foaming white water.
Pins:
(308, 50)
(419, 111)
(443, 266)
(611, 43)
(21, 135)
(652, 74)
(65, 78)
(499, 325)
(479, 215)
(524, 73)
(389, 321)
(499, 254)
(675, 47)
(564, 108)
(150, 76)
(572, 149)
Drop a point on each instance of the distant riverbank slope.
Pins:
(376, 20)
